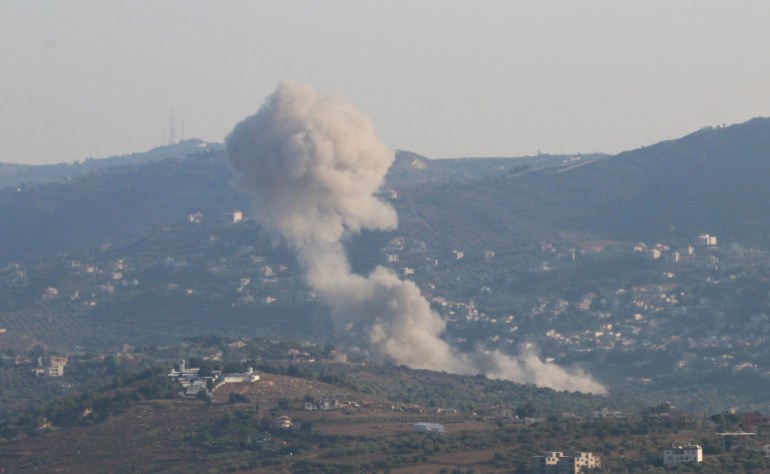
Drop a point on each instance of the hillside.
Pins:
(709, 181)
(368, 423)
(411, 169)
(594, 262)
(350, 418)
(117, 204)
(120, 199)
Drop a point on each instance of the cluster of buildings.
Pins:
(558, 462)
(193, 385)
(752, 434)
(635, 317)
(689, 297)
(52, 366)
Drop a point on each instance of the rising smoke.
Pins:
(313, 164)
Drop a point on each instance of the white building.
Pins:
(683, 454)
(558, 462)
(247, 377)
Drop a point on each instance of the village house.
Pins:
(281, 423)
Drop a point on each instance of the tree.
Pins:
(526, 411)
(236, 397)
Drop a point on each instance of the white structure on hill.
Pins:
(248, 376)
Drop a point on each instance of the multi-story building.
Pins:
(682, 454)
(55, 366)
(54, 371)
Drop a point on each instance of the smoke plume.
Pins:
(313, 164)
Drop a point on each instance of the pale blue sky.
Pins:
(442, 78)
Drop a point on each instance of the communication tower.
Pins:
(171, 129)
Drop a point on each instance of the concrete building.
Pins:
(56, 365)
(247, 377)
(54, 371)
(683, 454)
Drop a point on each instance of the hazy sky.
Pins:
(441, 78)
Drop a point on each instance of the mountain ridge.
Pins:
(711, 180)
(708, 181)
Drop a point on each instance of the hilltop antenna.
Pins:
(171, 129)
(181, 137)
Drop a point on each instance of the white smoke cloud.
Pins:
(314, 163)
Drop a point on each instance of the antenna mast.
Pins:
(171, 129)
